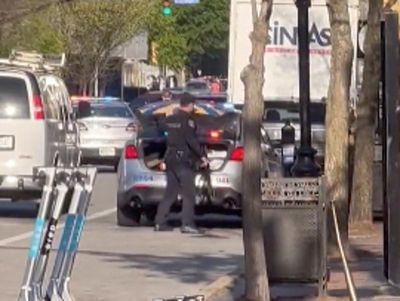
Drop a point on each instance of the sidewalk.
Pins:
(366, 267)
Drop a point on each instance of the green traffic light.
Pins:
(166, 11)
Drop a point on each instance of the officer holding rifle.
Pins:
(183, 154)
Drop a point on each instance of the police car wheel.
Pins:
(128, 217)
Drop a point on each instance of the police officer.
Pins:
(182, 155)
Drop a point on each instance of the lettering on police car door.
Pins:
(143, 178)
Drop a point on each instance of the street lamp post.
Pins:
(304, 165)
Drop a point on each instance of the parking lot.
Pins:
(125, 263)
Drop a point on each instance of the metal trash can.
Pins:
(295, 232)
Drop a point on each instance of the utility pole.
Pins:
(304, 165)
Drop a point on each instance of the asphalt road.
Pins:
(124, 263)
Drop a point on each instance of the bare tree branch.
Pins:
(390, 3)
(92, 32)
(254, 11)
(266, 10)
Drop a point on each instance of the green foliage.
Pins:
(40, 35)
(87, 31)
(35, 32)
(205, 26)
(92, 29)
(171, 48)
(191, 31)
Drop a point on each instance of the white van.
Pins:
(36, 129)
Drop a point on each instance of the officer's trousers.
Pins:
(180, 180)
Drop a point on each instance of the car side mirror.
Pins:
(84, 109)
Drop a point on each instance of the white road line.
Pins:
(10, 240)
(101, 214)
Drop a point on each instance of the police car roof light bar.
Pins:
(104, 99)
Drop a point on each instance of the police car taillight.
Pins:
(131, 152)
(237, 154)
(214, 134)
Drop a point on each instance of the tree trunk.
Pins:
(256, 279)
(362, 188)
(363, 4)
(181, 77)
(337, 114)
(91, 88)
(84, 87)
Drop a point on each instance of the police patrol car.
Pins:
(105, 130)
(141, 175)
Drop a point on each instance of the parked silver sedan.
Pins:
(142, 180)
(104, 130)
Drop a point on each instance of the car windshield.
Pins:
(137, 103)
(196, 86)
(149, 98)
(13, 98)
(110, 111)
(281, 111)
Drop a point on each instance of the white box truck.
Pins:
(281, 54)
(281, 87)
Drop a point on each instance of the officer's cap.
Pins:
(186, 99)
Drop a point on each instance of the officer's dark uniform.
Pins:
(183, 152)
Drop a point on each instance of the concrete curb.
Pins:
(221, 285)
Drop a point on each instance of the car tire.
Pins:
(128, 217)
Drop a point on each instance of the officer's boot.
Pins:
(163, 228)
(189, 229)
